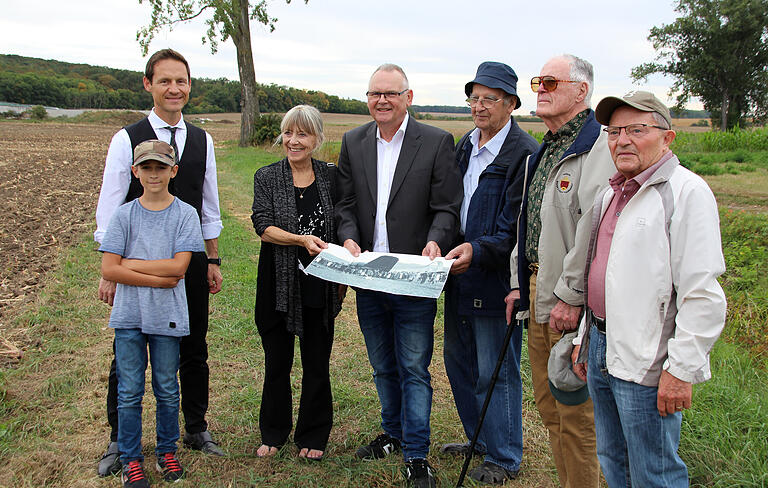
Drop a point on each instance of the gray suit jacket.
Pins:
(425, 197)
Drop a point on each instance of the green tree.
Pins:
(228, 19)
(716, 50)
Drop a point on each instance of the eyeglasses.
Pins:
(633, 131)
(486, 102)
(549, 82)
(390, 95)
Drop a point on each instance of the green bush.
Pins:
(38, 112)
(700, 123)
(266, 129)
(708, 169)
(740, 156)
(11, 114)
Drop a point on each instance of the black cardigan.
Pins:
(278, 289)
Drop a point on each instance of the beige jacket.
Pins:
(566, 210)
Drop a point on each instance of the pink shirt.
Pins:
(623, 191)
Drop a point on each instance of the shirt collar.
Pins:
(157, 123)
(569, 128)
(400, 130)
(494, 145)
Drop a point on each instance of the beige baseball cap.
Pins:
(641, 100)
(154, 150)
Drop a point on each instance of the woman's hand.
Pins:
(313, 244)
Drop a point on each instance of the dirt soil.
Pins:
(50, 176)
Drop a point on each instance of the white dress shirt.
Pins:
(117, 177)
(480, 158)
(387, 154)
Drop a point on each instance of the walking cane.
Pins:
(494, 377)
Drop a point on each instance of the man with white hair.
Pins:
(547, 265)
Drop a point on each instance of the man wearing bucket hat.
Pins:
(562, 178)
(654, 306)
(491, 159)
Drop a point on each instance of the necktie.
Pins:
(173, 142)
(171, 185)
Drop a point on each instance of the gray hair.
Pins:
(391, 67)
(582, 70)
(660, 120)
(305, 118)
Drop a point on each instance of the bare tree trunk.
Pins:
(249, 101)
(724, 112)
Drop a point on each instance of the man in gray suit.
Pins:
(400, 192)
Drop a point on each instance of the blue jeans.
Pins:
(398, 332)
(131, 361)
(472, 347)
(635, 445)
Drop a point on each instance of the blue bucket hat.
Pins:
(495, 75)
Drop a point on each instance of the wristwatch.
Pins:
(216, 261)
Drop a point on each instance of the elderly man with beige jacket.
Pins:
(547, 265)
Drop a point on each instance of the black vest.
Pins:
(188, 183)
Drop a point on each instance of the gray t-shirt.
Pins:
(137, 233)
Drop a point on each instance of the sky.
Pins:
(334, 45)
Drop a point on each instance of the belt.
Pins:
(599, 323)
(534, 267)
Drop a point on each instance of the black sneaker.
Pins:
(133, 476)
(419, 474)
(382, 446)
(169, 467)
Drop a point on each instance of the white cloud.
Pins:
(334, 45)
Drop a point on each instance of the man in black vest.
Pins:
(168, 79)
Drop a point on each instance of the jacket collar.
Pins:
(586, 138)
(508, 146)
(408, 150)
(665, 171)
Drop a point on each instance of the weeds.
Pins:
(732, 140)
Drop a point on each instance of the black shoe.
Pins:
(458, 449)
(492, 474)
(109, 463)
(202, 441)
(133, 476)
(382, 446)
(168, 466)
(419, 474)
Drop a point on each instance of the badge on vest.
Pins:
(564, 184)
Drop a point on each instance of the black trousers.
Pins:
(193, 363)
(316, 404)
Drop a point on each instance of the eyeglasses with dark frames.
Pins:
(390, 95)
(633, 131)
(549, 82)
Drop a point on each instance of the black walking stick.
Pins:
(494, 377)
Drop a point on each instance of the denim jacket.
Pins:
(491, 223)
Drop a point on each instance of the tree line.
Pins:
(69, 85)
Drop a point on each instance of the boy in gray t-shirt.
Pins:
(147, 248)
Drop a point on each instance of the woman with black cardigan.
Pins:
(293, 214)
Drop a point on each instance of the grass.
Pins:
(52, 425)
